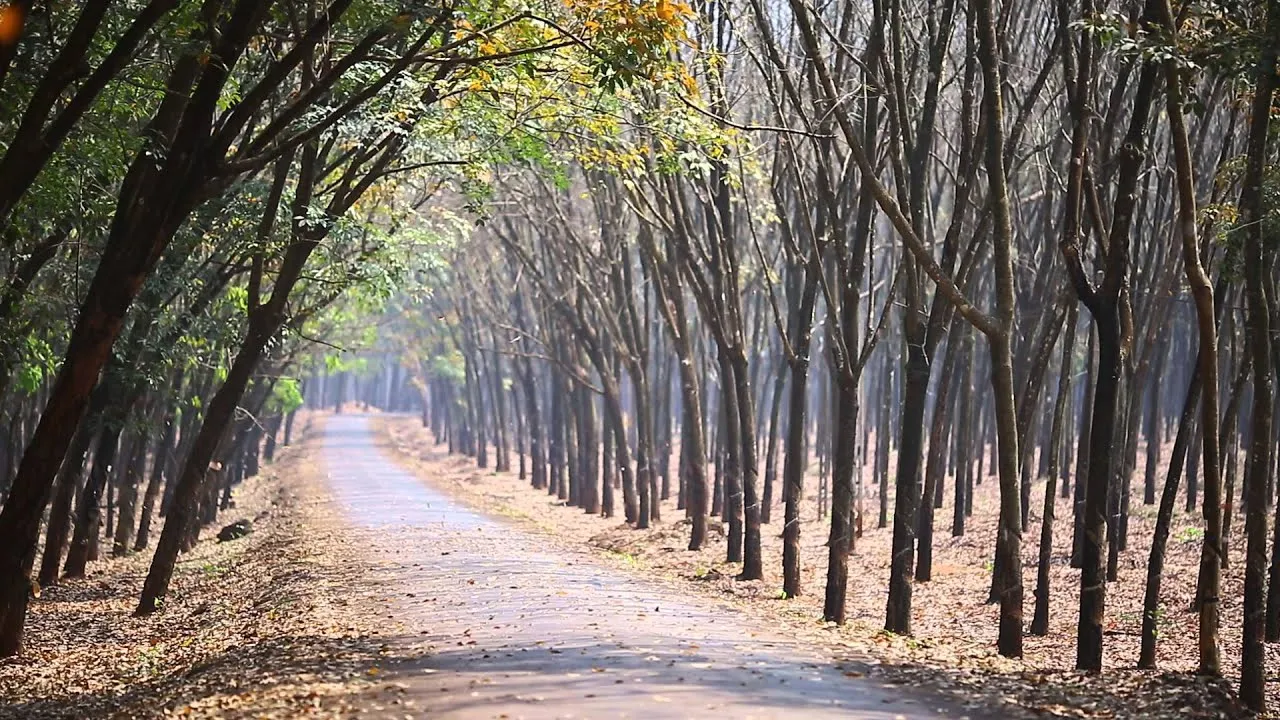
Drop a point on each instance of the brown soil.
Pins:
(953, 647)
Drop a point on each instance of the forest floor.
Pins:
(277, 624)
(298, 619)
(953, 647)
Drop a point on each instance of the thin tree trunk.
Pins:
(883, 431)
(907, 488)
(60, 518)
(934, 467)
(771, 446)
(801, 330)
(1040, 618)
(731, 486)
(1261, 618)
(1164, 518)
(131, 477)
(160, 463)
(1082, 449)
(1154, 423)
(86, 528)
(964, 478)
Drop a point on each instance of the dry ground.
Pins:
(953, 647)
(286, 622)
(274, 625)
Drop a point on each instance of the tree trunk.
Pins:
(556, 442)
(935, 466)
(1261, 618)
(1008, 560)
(130, 479)
(1040, 618)
(752, 561)
(801, 330)
(1082, 448)
(1164, 518)
(498, 393)
(1230, 446)
(191, 479)
(964, 478)
(883, 432)
(272, 432)
(533, 418)
(1154, 423)
(60, 518)
(771, 445)
(730, 448)
(666, 419)
(523, 473)
(693, 445)
(1094, 535)
(1114, 488)
(1029, 400)
(609, 473)
(588, 452)
(163, 455)
(907, 488)
(1210, 576)
(86, 528)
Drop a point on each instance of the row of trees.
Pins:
(192, 193)
(879, 184)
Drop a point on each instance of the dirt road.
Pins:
(517, 630)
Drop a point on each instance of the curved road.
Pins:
(520, 632)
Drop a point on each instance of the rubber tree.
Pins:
(1257, 285)
(663, 263)
(1104, 304)
(1210, 577)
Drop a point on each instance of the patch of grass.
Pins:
(1162, 620)
(497, 507)
(625, 557)
(1190, 535)
(151, 660)
(212, 569)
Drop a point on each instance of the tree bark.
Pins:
(801, 329)
(131, 477)
(907, 487)
(60, 518)
(1040, 618)
(160, 463)
(1258, 623)
(1210, 576)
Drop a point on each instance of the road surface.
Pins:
(521, 632)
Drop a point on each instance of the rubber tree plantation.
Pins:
(947, 330)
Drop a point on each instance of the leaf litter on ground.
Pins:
(953, 647)
(268, 626)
